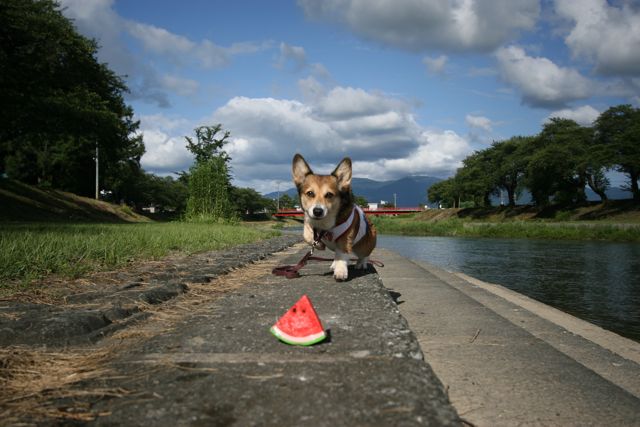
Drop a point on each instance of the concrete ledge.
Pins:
(504, 364)
(219, 365)
(608, 354)
(622, 346)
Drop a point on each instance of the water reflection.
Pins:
(596, 281)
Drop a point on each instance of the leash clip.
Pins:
(318, 236)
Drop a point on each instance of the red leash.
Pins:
(291, 271)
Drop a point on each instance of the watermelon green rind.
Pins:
(306, 340)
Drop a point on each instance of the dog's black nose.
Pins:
(317, 212)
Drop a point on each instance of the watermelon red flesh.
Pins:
(300, 325)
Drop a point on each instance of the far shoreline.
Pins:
(617, 221)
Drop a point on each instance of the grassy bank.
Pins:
(569, 230)
(22, 202)
(30, 251)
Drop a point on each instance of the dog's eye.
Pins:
(329, 195)
(311, 194)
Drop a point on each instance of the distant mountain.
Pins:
(409, 191)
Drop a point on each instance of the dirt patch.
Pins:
(28, 375)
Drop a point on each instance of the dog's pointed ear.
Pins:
(343, 173)
(300, 169)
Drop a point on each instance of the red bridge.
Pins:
(382, 211)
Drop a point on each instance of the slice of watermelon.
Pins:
(300, 325)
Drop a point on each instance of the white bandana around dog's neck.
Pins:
(336, 232)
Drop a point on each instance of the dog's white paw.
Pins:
(340, 270)
(333, 266)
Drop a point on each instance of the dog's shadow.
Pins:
(355, 273)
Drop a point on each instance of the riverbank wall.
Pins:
(506, 359)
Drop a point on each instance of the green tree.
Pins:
(618, 130)
(509, 162)
(476, 180)
(209, 179)
(58, 103)
(361, 201)
(248, 201)
(555, 171)
(592, 161)
(206, 145)
(287, 202)
(447, 193)
(167, 193)
(209, 191)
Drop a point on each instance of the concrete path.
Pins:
(508, 360)
(207, 358)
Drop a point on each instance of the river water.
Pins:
(595, 281)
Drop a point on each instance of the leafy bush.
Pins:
(209, 190)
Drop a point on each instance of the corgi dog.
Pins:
(331, 218)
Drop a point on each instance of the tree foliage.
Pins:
(248, 202)
(555, 166)
(446, 193)
(58, 103)
(287, 202)
(209, 179)
(553, 163)
(165, 193)
(618, 130)
(209, 192)
(206, 146)
(361, 201)
(509, 164)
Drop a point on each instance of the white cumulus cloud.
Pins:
(542, 82)
(436, 153)
(606, 34)
(584, 115)
(459, 25)
(377, 131)
(165, 154)
(166, 149)
(479, 122)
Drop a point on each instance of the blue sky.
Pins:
(403, 87)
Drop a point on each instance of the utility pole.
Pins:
(278, 200)
(395, 204)
(97, 172)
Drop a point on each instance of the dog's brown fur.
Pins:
(332, 193)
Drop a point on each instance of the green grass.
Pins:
(509, 229)
(30, 251)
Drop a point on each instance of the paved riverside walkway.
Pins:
(206, 358)
(508, 360)
(222, 366)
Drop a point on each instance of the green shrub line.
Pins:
(30, 251)
(455, 227)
